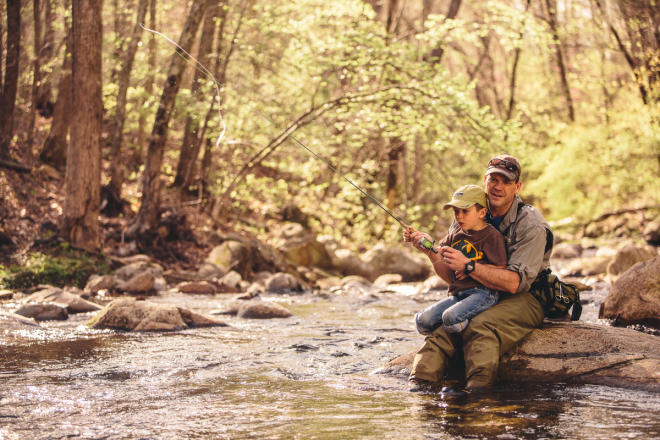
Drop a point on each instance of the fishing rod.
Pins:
(424, 242)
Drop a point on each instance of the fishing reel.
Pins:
(427, 244)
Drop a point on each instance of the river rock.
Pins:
(6, 294)
(43, 311)
(258, 310)
(652, 233)
(283, 283)
(628, 256)
(142, 282)
(302, 248)
(199, 288)
(12, 321)
(139, 267)
(231, 254)
(387, 279)
(347, 263)
(567, 250)
(433, 282)
(587, 266)
(575, 352)
(133, 315)
(99, 282)
(389, 259)
(328, 283)
(229, 283)
(634, 297)
(73, 303)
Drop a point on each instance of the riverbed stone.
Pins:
(73, 303)
(6, 294)
(587, 266)
(262, 310)
(12, 321)
(348, 263)
(634, 297)
(283, 283)
(567, 250)
(133, 315)
(387, 279)
(433, 282)
(301, 247)
(129, 271)
(196, 287)
(141, 282)
(96, 283)
(575, 352)
(43, 311)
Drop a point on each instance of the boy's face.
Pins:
(469, 218)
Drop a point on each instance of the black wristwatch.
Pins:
(469, 267)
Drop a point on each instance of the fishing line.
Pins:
(399, 219)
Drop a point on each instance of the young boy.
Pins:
(478, 241)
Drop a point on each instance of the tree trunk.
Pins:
(148, 84)
(148, 214)
(552, 20)
(514, 67)
(82, 185)
(36, 76)
(191, 136)
(116, 134)
(44, 92)
(437, 52)
(54, 151)
(10, 83)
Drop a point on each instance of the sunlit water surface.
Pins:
(306, 377)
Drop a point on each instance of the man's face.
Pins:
(501, 192)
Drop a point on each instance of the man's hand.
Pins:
(412, 235)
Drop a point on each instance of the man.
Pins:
(528, 240)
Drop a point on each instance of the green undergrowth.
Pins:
(56, 267)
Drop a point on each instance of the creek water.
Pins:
(311, 376)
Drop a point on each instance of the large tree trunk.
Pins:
(552, 20)
(148, 214)
(191, 136)
(54, 151)
(10, 82)
(116, 135)
(80, 225)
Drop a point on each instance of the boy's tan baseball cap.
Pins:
(466, 196)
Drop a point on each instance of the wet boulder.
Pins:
(43, 311)
(634, 297)
(72, 302)
(389, 259)
(132, 315)
(230, 254)
(575, 352)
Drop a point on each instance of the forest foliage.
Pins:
(408, 99)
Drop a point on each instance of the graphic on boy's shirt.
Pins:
(468, 249)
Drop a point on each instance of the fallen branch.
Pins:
(15, 166)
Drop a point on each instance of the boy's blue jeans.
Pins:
(454, 312)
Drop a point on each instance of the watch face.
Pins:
(469, 266)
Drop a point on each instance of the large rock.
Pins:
(43, 311)
(133, 315)
(388, 259)
(575, 352)
(12, 321)
(283, 283)
(139, 267)
(73, 303)
(302, 248)
(231, 254)
(347, 263)
(627, 257)
(634, 297)
(258, 310)
(141, 282)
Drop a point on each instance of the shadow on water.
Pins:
(305, 377)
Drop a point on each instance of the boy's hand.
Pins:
(454, 259)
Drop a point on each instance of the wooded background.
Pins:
(408, 99)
